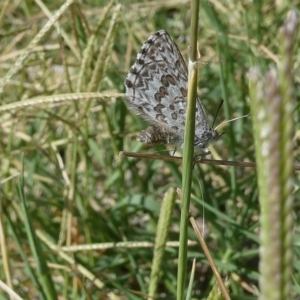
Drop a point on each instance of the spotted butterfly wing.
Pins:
(156, 89)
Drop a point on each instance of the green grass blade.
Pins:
(188, 151)
(43, 273)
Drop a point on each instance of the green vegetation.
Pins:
(78, 221)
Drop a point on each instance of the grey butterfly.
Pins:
(156, 89)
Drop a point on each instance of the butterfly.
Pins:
(156, 89)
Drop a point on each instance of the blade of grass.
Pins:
(188, 151)
(39, 258)
(191, 281)
(29, 270)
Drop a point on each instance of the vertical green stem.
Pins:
(188, 151)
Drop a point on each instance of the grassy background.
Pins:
(78, 191)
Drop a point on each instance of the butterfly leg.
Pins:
(174, 151)
(196, 159)
(199, 157)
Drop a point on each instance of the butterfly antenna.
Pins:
(220, 105)
(225, 122)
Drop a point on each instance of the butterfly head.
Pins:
(215, 135)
